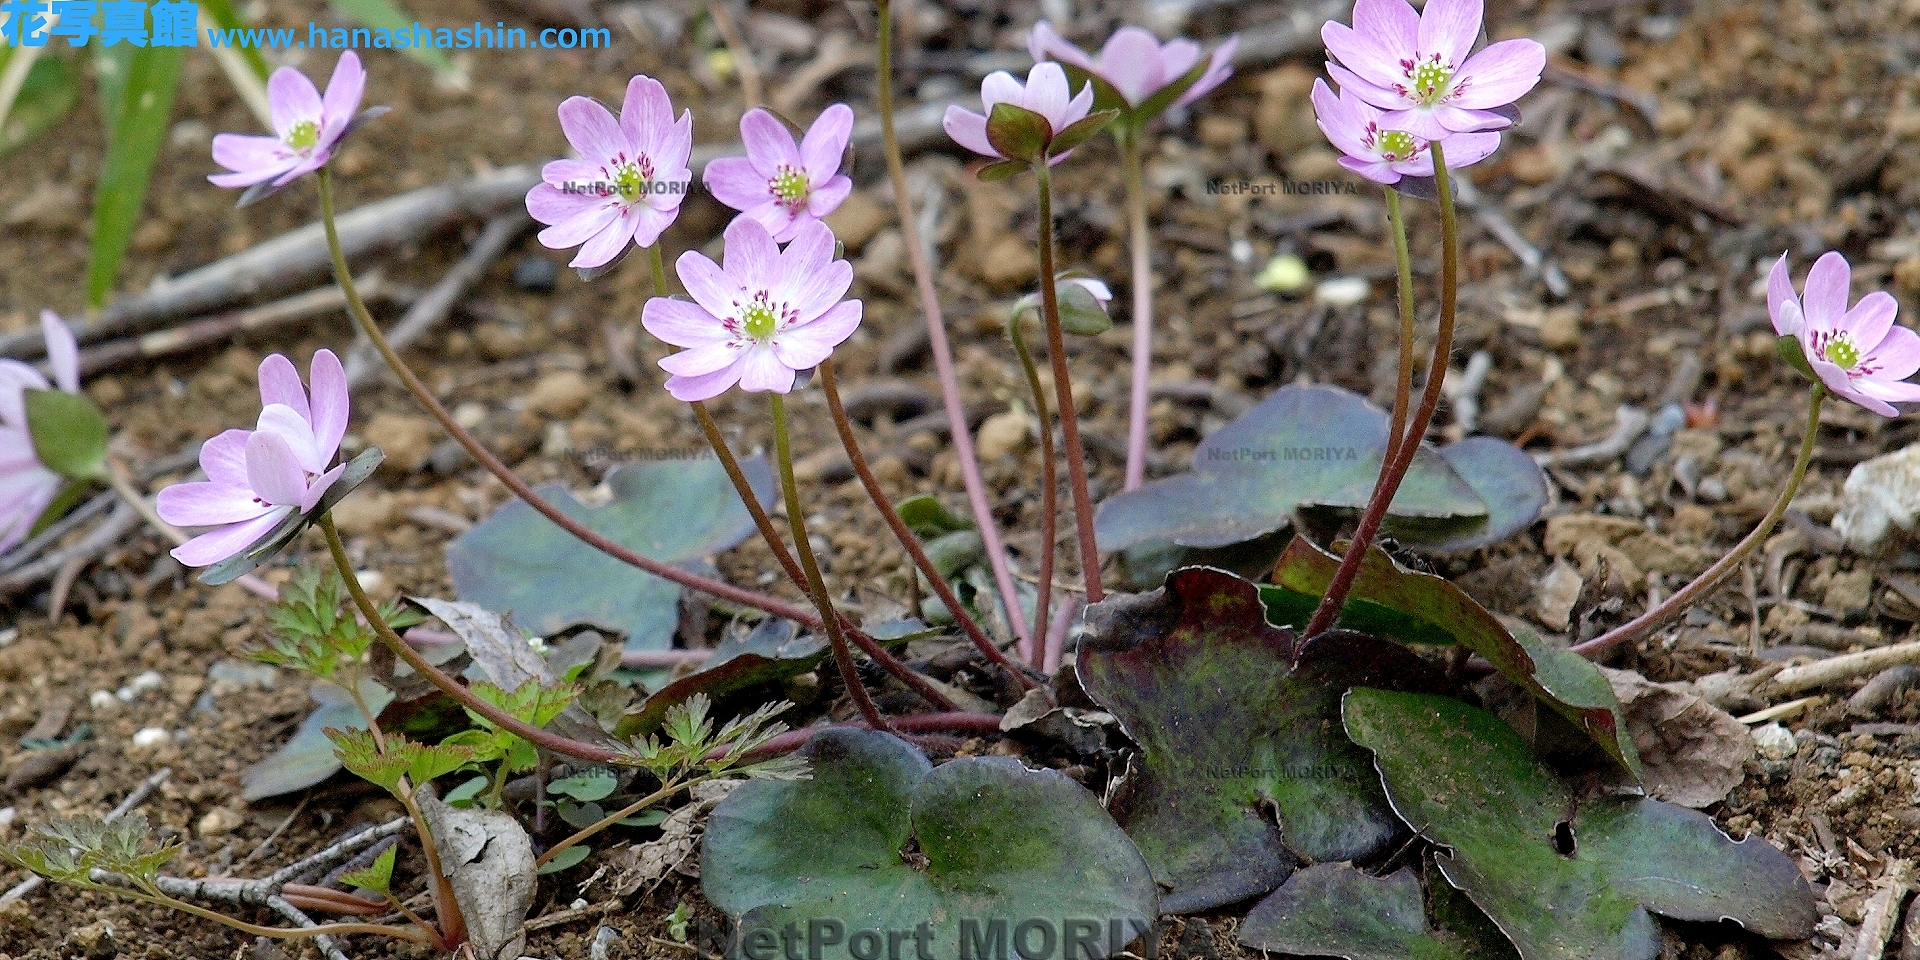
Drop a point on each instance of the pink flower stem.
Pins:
(963, 451)
(1403, 382)
(909, 542)
(764, 523)
(358, 309)
(1704, 584)
(1394, 468)
(1138, 240)
(1063, 392)
(816, 584)
(1049, 487)
(1057, 633)
(952, 722)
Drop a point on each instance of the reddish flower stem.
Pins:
(952, 722)
(1063, 392)
(1049, 490)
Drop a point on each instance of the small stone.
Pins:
(536, 274)
(560, 394)
(1559, 591)
(1774, 741)
(857, 219)
(1849, 592)
(150, 737)
(144, 683)
(1222, 130)
(102, 701)
(1343, 291)
(1009, 263)
(94, 941)
(470, 415)
(219, 822)
(406, 440)
(1002, 434)
(367, 512)
(1880, 495)
(1286, 273)
(1560, 328)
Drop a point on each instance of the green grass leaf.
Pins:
(137, 90)
(51, 89)
(382, 14)
(228, 18)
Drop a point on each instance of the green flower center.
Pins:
(1430, 79)
(305, 135)
(1396, 145)
(759, 320)
(627, 182)
(1842, 352)
(790, 186)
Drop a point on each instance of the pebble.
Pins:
(102, 701)
(1880, 495)
(151, 737)
(144, 683)
(1559, 591)
(1286, 273)
(560, 394)
(1343, 291)
(536, 274)
(406, 440)
(1775, 742)
(219, 821)
(1002, 434)
(857, 219)
(1009, 263)
(1560, 329)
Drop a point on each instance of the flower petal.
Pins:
(214, 546)
(1131, 62)
(1870, 319)
(1047, 93)
(1779, 294)
(710, 286)
(682, 324)
(750, 256)
(646, 115)
(274, 470)
(558, 208)
(593, 131)
(702, 360)
(969, 130)
(281, 421)
(224, 458)
(63, 354)
(828, 196)
(208, 504)
(329, 415)
(649, 221)
(761, 371)
(769, 143)
(1897, 356)
(1825, 299)
(1220, 68)
(1449, 28)
(734, 182)
(1500, 74)
(1045, 43)
(1466, 149)
(292, 99)
(258, 158)
(1341, 120)
(280, 383)
(1378, 171)
(318, 488)
(1000, 87)
(1351, 84)
(805, 345)
(342, 101)
(690, 389)
(604, 247)
(825, 144)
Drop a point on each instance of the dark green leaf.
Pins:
(1080, 131)
(1566, 879)
(69, 433)
(927, 517)
(137, 129)
(1080, 312)
(1422, 608)
(1235, 722)
(1300, 447)
(587, 786)
(678, 511)
(1000, 170)
(834, 849)
(1333, 910)
(1795, 356)
(771, 652)
(569, 857)
(308, 758)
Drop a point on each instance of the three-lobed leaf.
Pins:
(1565, 877)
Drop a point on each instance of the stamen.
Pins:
(305, 135)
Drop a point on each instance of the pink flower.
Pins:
(779, 185)
(760, 318)
(257, 478)
(306, 128)
(1135, 64)
(27, 486)
(1860, 354)
(629, 180)
(1416, 66)
(1384, 156)
(1045, 93)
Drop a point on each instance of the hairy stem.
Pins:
(1063, 393)
(963, 451)
(1403, 381)
(816, 584)
(1394, 469)
(277, 933)
(1138, 240)
(485, 457)
(908, 541)
(1049, 490)
(872, 648)
(545, 739)
(612, 818)
(1704, 584)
